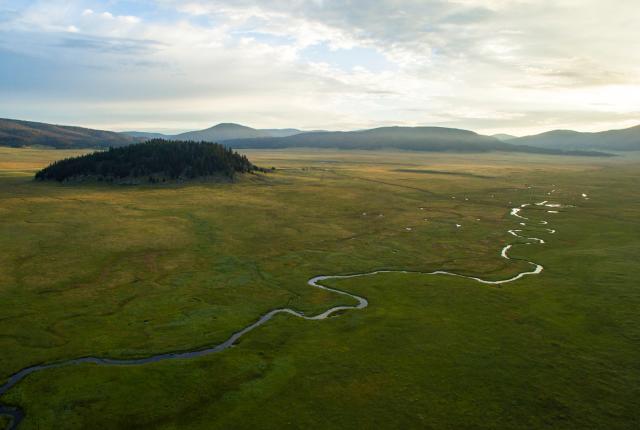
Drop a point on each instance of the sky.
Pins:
(492, 66)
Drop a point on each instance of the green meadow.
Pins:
(132, 271)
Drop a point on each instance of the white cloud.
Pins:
(130, 19)
(491, 65)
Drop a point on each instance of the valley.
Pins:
(181, 267)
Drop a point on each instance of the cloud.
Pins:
(109, 45)
(493, 64)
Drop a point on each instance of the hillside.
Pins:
(436, 139)
(504, 137)
(155, 160)
(281, 132)
(219, 133)
(417, 138)
(222, 132)
(16, 133)
(145, 135)
(612, 140)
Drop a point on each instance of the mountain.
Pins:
(26, 133)
(145, 135)
(613, 140)
(222, 132)
(420, 138)
(436, 139)
(154, 161)
(18, 133)
(219, 133)
(281, 132)
(504, 137)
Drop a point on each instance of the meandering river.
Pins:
(17, 414)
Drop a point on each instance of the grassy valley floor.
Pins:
(132, 271)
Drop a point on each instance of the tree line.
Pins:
(156, 159)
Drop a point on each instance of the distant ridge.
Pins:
(219, 133)
(612, 140)
(282, 132)
(417, 138)
(504, 137)
(435, 139)
(145, 135)
(222, 132)
(17, 133)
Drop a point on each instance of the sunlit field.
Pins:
(132, 271)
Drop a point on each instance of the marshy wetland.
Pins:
(130, 272)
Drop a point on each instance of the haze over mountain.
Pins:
(222, 132)
(146, 134)
(219, 133)
(27, 133)
(282, 132)
(18, 133)
(436, 139)
(612, 140)
(504, 137)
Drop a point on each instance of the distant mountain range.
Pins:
(408, 138)
(219, 133)
(503, 137)
(17, 133)
(26, 133)
(435, 139)
(613, 140)
(145, 135)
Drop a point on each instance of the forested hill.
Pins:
(627, 139)
(435, 139)
(153, 161)
(407, 138)
(18, 133)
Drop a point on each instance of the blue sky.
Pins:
(516, 66)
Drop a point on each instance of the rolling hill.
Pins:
(613, 140)
(436, 139)
(219, 133)
(282, 132)
(145, 135)
(16, 133)
(222, 132)
(504, 137)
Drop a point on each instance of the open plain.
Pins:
(128, 272)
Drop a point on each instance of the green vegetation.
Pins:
(16, 133)
(222, 132)
(156, 160)
(627, 139)
(134, 271)
(432, 139)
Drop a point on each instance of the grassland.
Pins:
(133, 271)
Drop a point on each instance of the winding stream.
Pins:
(16, 414)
